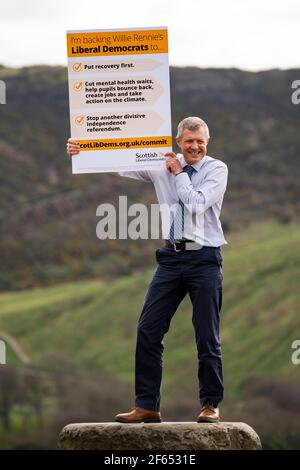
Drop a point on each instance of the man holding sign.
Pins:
(190, 262)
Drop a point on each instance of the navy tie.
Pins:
(177, 226)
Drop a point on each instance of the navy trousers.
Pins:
(198, 273)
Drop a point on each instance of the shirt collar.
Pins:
(196, 165)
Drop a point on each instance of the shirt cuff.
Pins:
(182, 179)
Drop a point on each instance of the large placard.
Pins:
(119, 95)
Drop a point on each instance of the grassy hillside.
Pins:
(94, 322)
(89, 328)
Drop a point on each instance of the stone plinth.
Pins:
(159, 436)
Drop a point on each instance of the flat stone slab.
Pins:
(159, 436)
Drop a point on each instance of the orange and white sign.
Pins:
(119, 95)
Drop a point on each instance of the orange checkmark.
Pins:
(78, 86)
(77, 67)
(79, 120)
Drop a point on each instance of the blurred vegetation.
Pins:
(94, 323)
(37, 401)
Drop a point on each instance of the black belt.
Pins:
(180, 245)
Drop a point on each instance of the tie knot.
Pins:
(189, 170)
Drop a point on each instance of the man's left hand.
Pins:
(173, 164)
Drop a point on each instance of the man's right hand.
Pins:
(72, 147)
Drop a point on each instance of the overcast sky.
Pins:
(248, 34)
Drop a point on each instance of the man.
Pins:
(189, 263)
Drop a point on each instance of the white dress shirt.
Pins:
(202, 195)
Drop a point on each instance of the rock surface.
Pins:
(159, 436)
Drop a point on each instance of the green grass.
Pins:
(94, 323)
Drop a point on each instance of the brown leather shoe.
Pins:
(209, 414)
(139, 415)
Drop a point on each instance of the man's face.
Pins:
(193, 145)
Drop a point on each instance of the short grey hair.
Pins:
(192, 123)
